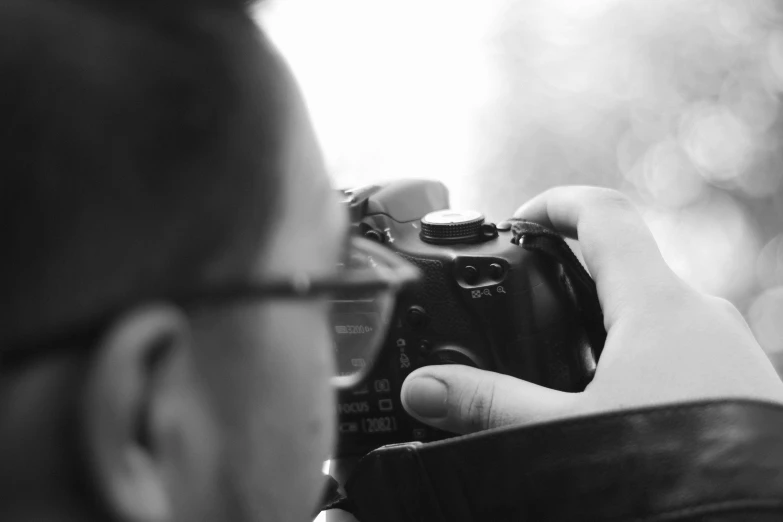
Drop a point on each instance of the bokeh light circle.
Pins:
(712, 245)
(718, 143)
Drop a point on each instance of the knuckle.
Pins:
(604, 209)
(613, 200)
(477, 406)
(724, 304)
(728, 309)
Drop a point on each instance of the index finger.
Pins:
(616, 244)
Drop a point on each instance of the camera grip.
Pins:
(587, 347)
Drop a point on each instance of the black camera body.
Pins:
(482, 301)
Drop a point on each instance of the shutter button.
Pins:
(504, 226)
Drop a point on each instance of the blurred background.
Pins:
(677, 104)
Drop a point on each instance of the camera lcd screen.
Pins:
(354, 335)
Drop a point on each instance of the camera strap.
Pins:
(533, 236)
(673, 462)
(394, 483)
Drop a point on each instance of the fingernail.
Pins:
(427, 397)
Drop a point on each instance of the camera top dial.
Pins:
(444, 227)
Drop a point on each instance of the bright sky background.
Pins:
(392, 90)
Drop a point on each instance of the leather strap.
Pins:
(669, 463)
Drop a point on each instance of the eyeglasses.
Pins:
(361, 291)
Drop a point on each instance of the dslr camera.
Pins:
(483, 300)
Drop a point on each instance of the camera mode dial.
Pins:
(452, 226)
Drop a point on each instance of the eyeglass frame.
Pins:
(393, 274)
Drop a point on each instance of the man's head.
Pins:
(148, 148)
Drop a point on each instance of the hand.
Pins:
(338, 515)
(341, 469)
(666, 343)
(777, 361)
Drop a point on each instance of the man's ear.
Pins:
(139, 368)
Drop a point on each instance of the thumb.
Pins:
(461, 399)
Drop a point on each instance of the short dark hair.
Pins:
(140, 147)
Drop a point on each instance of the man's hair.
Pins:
(140, 147)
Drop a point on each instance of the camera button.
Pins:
(374, 235)
(416, 317)
(385, 405)
(452, 355)
(382, 386)
(425, 347)
(470, 274)
(496, 271)
(504, 226)
(489, 231)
